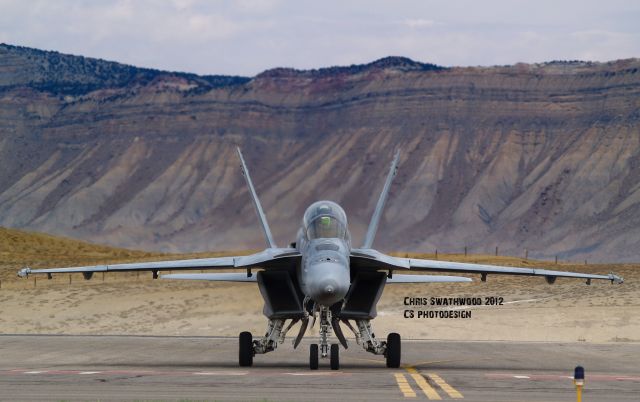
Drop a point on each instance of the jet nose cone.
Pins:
(328, 292)
(328, 282)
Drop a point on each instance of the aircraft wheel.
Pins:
(313, 356)
(393, 350)
(246, 349)
(335, 357)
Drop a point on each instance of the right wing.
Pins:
(266, 259)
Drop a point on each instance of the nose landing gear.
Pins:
(324, 350)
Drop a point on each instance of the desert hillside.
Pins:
(544, 157)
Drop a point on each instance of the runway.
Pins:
(35, 368)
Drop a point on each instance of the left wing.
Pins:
(272, 257)
(370, 258)
(266, 259)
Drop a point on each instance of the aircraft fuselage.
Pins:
(324, 274)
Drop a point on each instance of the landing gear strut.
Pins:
(325, 331)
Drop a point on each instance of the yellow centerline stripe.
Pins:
(404, 386)
(452, 392)
(423, 384)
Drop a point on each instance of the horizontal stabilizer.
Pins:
(426, 279)
(224, 277)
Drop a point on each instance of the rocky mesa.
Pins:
(543, 157)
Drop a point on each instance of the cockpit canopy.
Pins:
(325, 219)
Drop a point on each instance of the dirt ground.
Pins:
(127, 303)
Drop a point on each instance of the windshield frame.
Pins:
(328, 214)
(326, 227)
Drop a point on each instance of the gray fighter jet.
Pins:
(321, 277)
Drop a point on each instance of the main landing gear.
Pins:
(269, 342)
(391, 349)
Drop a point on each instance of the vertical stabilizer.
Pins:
(375, 219)
(256, 203)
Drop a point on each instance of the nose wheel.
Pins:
(335, 357)
(313, 356)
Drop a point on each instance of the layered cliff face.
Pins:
(539, 157)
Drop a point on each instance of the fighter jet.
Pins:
(321, 277)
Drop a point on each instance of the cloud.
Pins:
(248, 36)
(600, 44)
(418, 23)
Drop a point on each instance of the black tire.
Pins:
(245, 356)
(313, 356)
(335, 357)
(393, 350)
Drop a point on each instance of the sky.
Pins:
(246, 37)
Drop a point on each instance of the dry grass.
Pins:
(20, 248)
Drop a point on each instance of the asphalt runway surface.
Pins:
(91, 368)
